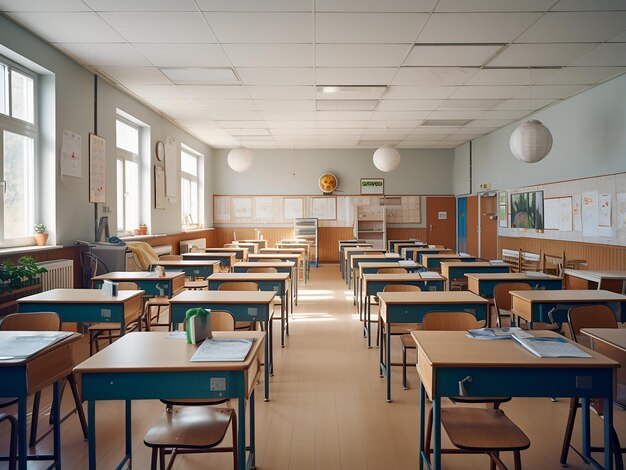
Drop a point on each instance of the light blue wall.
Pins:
(589, 132)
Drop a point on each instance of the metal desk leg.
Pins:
(368, 320)
(381, 342)
(436, 433)
(56, 424)
(388, 361)
(252, 432)
(22, 447)
(282, 322)
(608, 433)
(586, 431)
(268, 359)
(91, 430)
(129, 433)
(241, 433)
(422, 424)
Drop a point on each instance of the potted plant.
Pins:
(141, 230)
(41, 236)
(18, 280)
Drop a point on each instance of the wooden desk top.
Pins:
(254, 241)
(226, 249)
(187, 262)
(372, 257)
(539, 296)
(242, 244)
(472, 264)
(80, 296)
(441, 297)
(393, 264)
(201, 255)
(275, 255)
(224, 297)
(428, 256)
(615, 337)
(508, 276)
(303, 245)
(596, 276)
(248, 277)
(421, 249)
(366, 249)
(130, 276)
(282, 250)
(156, 352)
(23, 360)
(266, 264)
(455, 349)
(400, 277)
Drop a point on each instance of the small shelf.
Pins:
(307, 228)
(370, 225)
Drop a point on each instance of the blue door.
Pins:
(461, 224)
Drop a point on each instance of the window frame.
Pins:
(199, 180)
(124, 156)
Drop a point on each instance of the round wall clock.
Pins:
(328, 182)
(160, 150)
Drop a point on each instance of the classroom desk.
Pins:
(349, 252)
(538, 305)
(356, 260)
(343, 245)
(391, 244)
(433, 260)
(226, 260)
(612, 343)
(483, 283)
(455, 270)
(86, 305)
(284, 257)
(579, 279)
(410, 307)
(191, 268)
(252, 247)
(416, 253)
(375, 283)
(280, 266)
(148, 281)
(272, 282)
(306, 246)
(152, 366)
(303, 259)
(505, 369)
(244, 305)
(260, 242)
(22, 377)
(398, 247)
(240, 252)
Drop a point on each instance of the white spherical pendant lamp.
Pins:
(240, 159)
(386, 158)
(531, 142)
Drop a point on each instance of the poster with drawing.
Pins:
(221, 209)
(172, 155)
(590, 216)
(97, 169)
(621, 210)
(604, 215)
(71, 154)
(576, 213)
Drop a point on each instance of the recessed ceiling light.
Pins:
(200, 76)
(356, 92)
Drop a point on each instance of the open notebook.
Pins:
(222, 350)
(551, 347)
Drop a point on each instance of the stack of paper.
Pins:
(551, 347)
(24, 345)
(407, 263)
(430, 275)
(222, 350)
(497, 333)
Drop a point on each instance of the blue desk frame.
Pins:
(436, 262)
(225, 260)
(356, 260)
(150, 286)
(486, 286)
(291, 270)
(203, 271)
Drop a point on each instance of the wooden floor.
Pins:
(327, 408)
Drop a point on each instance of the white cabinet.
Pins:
(306, 228)
(370, 225)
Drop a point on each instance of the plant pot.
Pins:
(41, 238)
(141, 230)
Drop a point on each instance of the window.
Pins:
(191, 187)
(18, 144)
(127, 142)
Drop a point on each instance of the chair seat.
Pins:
(158, 302)
(407, 342)
(402, 328)
(196, 285)
(244, 325)
(476, 429)
(190, 428)
(7, 401)
(104, 327)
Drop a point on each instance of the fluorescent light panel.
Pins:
(356, 92)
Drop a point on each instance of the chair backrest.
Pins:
(143, 254)
(271, 260)
(222, 320)
(127, 286)
(449, 321)
(590, 316)
(401, 288)
(551, 264)
(391, 271)
(262, 270)
(171, 257)
(501, 296)
(613, 285)
(36, 321)
(238, 285)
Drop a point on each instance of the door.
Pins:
(472, 225)
(488, 227)
(441, 220)
(461, 211)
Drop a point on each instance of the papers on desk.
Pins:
(407, 263)
(551, 347)
(222, 350)
(497, 262)
(464, 255)
(20, 346)
(430, 275)
(392, 255)
(498, 333)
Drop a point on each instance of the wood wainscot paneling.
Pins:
(328, 241)
(404, 233)
(596, 256)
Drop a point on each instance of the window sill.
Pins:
(131, 238)
(195, 229)
(18, 250)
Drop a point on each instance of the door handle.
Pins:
(430, 227)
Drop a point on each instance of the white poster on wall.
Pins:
(221, 209)
(576, 213)
(604, 214)
(71, 157)
(243, 207)
(263, 207)
(293, 208)
(621, 210)
(590, 216)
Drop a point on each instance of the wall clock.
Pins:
(160, 150)
(328, 182)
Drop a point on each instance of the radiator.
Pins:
(197, 243)
(60, 274)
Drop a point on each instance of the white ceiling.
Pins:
(248, 72)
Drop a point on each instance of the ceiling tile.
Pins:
(343, 115)
(106, 54)
(550, 91)
(383, 124)
(360, 55)
(427, 76)
(258, 92)
(227, 115)
(285, 105)
(370, 28)
(457, 114)
(540, 55)
(42, 5)
(509, 114)
(575, 27)
(135, 75)
(78, 27)
(408, 105)
(451, 55)
(399, 6)
(243, 124)
(589, 5)
(581, 75)
(469, 104)
(619, 38)
(158, 92)
(518, 76)
(192, 55)
(450, 6)
(160, 27)
(486, 92)
(489, 123)
(141, 5)
(254, 5)
(219, 92)
(462, 28)
(291, 124)
(523, 104)
(400, 115)
(473, 130)
(270, 55)
(277, 76)
(232, 105)
(239, 28)
(425, 132)
(611, 54)
(419, 93)
(354, 76)
(288, 115)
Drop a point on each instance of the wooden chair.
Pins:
(262, 270)
(192, 426)
(243, 285)
(474, 430)
(551, 264)
(42, 321)
(191, 283)
(271, 260)
(502, 304)
(391, 271)
(579, 317)
(13, 442)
